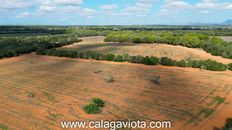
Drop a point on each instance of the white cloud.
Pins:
(46, 8)
(68, 2)
(23, 15)
(9, 5)
(141, 7)
(109, 7)
(173, 7)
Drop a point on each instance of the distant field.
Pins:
(40, 91)
(23, 34)
(227, 38)
(158, 50)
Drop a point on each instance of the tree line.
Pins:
(147, 60)
(14, 46)
(213, 45)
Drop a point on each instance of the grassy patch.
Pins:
(2, 127)
(30, 94)
(54, 116)
(98, 102)
(207, 111)
(95, 106)
(155, 79)
(49, 96)
(92, 109)
(219, 100)
(109, 78)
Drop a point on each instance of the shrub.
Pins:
(98, 102)
(95, 106)
(109, 78)
(228, 124)
(150, 60)
(119, 58)
(167, 61)
(136, 59)
(92, 109)
(182, 63)
(109, 57)
(213, 65)
(230, 66)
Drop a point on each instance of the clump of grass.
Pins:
(92, 109)
(54, 116)
(2, 127)
(98, 102)
(207, 111)
(109, 78)
(95, 106)
(98, 70)
(155, 79)
(219, 100)
(30, 94)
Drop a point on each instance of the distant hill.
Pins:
(227, 22)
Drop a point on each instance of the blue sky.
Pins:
(113, 12)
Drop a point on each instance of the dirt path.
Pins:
(158, 50)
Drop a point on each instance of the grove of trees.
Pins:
(213, 45)
(13, 46)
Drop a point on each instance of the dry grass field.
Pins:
(38, 92)
(227, 38)
(158, 50)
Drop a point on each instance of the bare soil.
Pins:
(38, 92)
(227, 38)
(158, 50)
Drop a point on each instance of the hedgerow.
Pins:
(213, 45)
(206, 64)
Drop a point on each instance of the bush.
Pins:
(98, 102)
(228, 124)
(150, 60)
(182, 63)
(119, 58)
(136, 59)
(230, 66)
(167, 61)
(109, 57)
(95, 106)
(92, 109)
(213, 65)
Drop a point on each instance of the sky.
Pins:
(113, 12)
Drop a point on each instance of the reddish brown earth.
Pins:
(158, 50)
(38, 92)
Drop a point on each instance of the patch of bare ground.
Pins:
(227, 38)
(38, 92)
(158, 50)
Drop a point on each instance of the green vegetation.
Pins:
(2, 127)
(213, 45)
(206, 64)
(95, 106)
(98, 102)
(230, 66)
(228, 124)
(207, 111)
(14, 46)
(219, 100)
